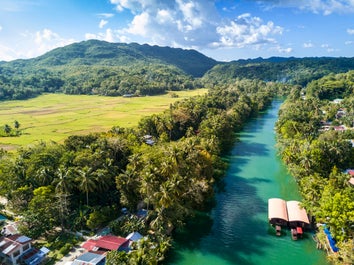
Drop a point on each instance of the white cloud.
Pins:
(109, 35)
(0, 28)
(325, 45)
(325, 7)
(7, 54)
(164, 16)
(46, 40)
(308, 45)
(350, 31)
(32, 44)
(193, 24)
(105, 15)
(102, 23)
(140, 25)
(247, 30)
(283, 50)
(349, 42)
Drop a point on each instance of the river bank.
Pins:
(237, 231)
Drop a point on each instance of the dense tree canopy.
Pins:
(318, 154)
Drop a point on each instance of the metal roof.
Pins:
(277, 209)
(296, 212)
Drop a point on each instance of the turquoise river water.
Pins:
(236, 231)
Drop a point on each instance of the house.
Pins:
(339, 128)
(134, 236)
(106, 243)
(10, 229)
(337, 100)
(12, 247)
(148, 139)
(351, 173)
(352, 142)
(90, 258)
(341, 113)
(34, 256)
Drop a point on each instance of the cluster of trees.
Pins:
(298, 71)
(318, 158)
(6, 130)
(139, 79)
(84, 182)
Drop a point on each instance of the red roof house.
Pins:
(107, 242)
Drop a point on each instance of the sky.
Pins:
(225, 30)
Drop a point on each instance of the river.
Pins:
(236, 231)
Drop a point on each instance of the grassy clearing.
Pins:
(56, 116)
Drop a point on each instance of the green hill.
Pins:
(292, 70)
(103, 68)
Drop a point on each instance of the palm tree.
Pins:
(86, 180)
(63, 183)
(63, 180)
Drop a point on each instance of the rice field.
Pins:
(54, 117)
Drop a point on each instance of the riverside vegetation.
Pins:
(84, 181)
(318, 156)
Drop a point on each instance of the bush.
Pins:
(65, 249)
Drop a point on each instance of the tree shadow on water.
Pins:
(232, 232)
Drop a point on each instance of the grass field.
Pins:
(57, 116)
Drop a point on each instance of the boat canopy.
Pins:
(277, 209)
(296, 213)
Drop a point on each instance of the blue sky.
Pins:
(222, 29)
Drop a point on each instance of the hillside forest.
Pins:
(170, 163)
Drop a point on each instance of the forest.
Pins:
(85, 182)
(315, 134)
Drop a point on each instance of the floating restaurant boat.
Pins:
(289, 214)
(277, 214)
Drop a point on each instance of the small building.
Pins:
(10, 229)
(351, 181)
(34, 256)
(351, 173)
(12, 247)
(339, 128)
(297, 215)
(106, 243)
(134, 236)
(148, 139)
(90, 258)
(277, 212)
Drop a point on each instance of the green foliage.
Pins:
(100, 217)
(102, 68)
(83, 182)
(317, 158)
(332, 86)
(284, 70)
(65, 249)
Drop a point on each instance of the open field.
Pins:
(57, 116)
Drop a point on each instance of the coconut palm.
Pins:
(86, 180)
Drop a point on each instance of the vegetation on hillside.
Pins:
(299, 71)
(102, 68)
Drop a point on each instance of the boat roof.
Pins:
(277, 209)
(296, 212)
